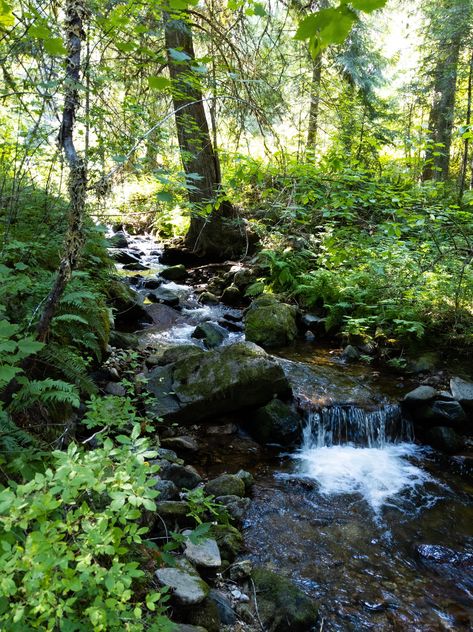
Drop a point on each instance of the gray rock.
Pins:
(135, 266)
(462, 391)
(165, 296)
(247, 478)
(445, 439)
(226, 485)
(183, 476)
(112, 388)
(186, 587)
(243, 278)
(275, 423)
(122, 340)
(224, 607)
(187, 444)
(220, 381)
(205, 553)
(351, 354)
(174, 273)
(122, 256)
(211, 334)
(313, 323)
(167, 490)
(231, 296)
(170, 354)
(270, 323)
(237, 507)
(420, 395)
(169, 455)
(205, 613)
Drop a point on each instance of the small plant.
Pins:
(202, 507)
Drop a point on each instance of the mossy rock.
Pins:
(282, 605)
(205, 613)
(269, 323)
(229, 540)
(275, 423)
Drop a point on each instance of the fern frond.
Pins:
(47, 392)
(12, 438)
(68, 364)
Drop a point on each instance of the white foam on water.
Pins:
(378, 474)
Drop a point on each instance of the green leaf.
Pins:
(29, 345)
(7, 18)
(7, 373)
(158, 82)
(164, 196)
(259, 9)
(54, 46)
(7, 329)
(368, 5)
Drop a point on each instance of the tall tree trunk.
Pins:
(75, 14)
(466, 144)
(220, 233)
(314, 104)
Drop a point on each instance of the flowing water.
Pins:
(378, 529)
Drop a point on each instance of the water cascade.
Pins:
(348, 450)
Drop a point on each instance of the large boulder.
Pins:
(211, 334)
(128, 310)
(462, 390)
(275, 423)
(270, 323)
(444, 439)
(282, 606)
(220, 381)
(174, 273)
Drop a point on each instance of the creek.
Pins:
(375, 527)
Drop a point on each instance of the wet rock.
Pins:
(211, 334)
(226, 485)
(423, 364)
(122, 340)
(420, 395)
(119, 240)
(270, 323)
(313, 323)
(444, 555)
(207, 298)
(205, 553)
(241, 570)
(224, 607)
(185, 584)
(186, 444)
(237, 507)
(167, 490)
(123, 256)
(282, 606)
(444, 439)
(275, 423)
(215, 383)
(229, 540)
(448, 413)
(151, 283)
(112, 388)
(462, 391)
(231, 296)
(183, 476)
(206, 614)
(350, 354)
(162, 316)
(231, 326)
(174, 273)
(164, 296)
(135, 266)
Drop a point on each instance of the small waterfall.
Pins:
(338, 425)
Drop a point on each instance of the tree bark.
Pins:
(466, 144)
(215, 230)
(77, 185)
(314, 104)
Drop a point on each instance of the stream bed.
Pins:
(376, 528)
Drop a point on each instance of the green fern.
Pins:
(12, 438)
(48, 392)
(68, 364)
